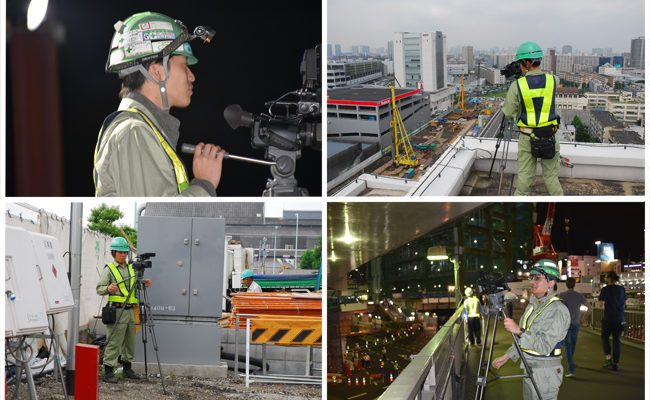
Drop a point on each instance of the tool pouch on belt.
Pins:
(109, 314)
(543, 148)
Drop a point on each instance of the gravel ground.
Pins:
(181, 388)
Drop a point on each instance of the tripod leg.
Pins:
(481, 378)
(527, 369)
(150, 325)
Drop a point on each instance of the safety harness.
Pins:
(182, 182)
(557, 351)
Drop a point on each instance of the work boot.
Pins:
(128, 372)
(109, 376)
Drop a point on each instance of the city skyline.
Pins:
(488, 26)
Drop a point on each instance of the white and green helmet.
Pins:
(149, 36)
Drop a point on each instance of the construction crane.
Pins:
(403, 151)
(543, 247)
(460, 106)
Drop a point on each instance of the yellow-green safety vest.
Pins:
(115, 298)
(179, 169)
(537, 95)
(472, 307)
(557, 351)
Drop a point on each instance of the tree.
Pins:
(311, 259)
(102, 219)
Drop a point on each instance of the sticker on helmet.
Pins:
(117, 40)
(158, 46)
(136, 49)
(158, 35)
(145, 26)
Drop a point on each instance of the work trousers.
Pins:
(570, 345)
(615, 329)
(548, 381)
(474, 328)
(123, 340)
(527, 169)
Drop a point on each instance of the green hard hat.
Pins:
(547, 267)
(247, 274)
(529, 50)
(119, 244)
(142, 37)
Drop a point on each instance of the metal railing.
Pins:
(634, 327)
(430, 374)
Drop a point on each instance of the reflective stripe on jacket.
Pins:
(472, 307)
(557, 351)
(182, 182)
(115, 298)
(537, 95)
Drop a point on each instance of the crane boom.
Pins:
(403, 151)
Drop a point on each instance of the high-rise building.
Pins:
(355, 50)
(420, 58)
(468, 56)
(390, 49)
(337, 50)
(567, 49)
(329, 50)
(637, 48)
(365, 50)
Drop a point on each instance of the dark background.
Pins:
(254, 58)
(619, 223)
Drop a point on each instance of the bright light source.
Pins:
(437, 253)
(333, 258)
(583, 308)
(597, 242)
(348, 239)
(36, 13)
(522, 301)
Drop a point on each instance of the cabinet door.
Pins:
(206, 282)
(170, 238)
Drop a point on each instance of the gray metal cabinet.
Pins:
(187, 273)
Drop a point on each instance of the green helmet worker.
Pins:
(116, 281)
(531, 102)
(247, 279)
(135, 152)
(541, 331)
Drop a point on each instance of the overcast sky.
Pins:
(583, 24)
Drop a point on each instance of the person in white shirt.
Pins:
(247, 279)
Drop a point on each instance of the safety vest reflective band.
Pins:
(114, 298)
(472, 307)
(537, 94)
(557, 351)
(179, 169)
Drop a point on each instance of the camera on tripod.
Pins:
(512, 70)
(141, 262)
(292, 122)
(493, 283)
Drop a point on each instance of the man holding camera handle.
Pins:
(531, 102)
(541, 331)
(116, 281)
(135, 153)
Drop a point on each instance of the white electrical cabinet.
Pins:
(52, 273)
(24, 303)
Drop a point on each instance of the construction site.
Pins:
(203, 328)
(411, 153)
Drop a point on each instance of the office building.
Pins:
(337, 50)
(567, 49)
(347, 73)
(468, 56)
(637, 48)
(420, 60)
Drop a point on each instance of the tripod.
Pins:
(495, 313)
(502, 165)
(146, 320)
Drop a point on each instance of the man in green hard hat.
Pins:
(116, 281)
(541, 331)
(531, 102)
(135, 153)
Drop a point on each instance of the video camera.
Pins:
(141, 262)
(512, 70)
(493, 283)
(291, 123)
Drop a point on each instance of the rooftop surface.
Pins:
(358, 93)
